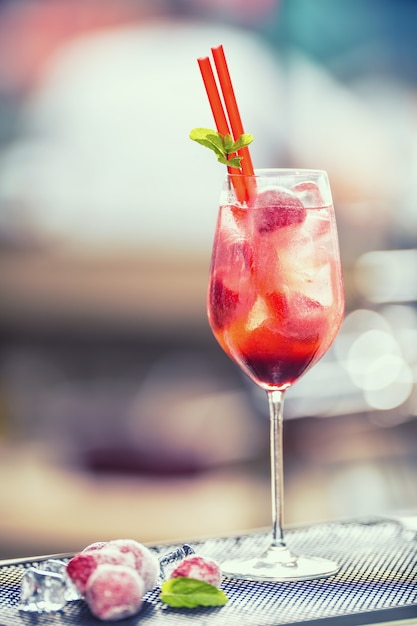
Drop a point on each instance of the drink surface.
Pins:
(275, 298)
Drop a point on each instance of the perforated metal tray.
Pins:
(377, 582)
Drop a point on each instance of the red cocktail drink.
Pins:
(275, 305)
(275, 297)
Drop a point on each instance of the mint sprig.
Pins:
(189, 593)
(222, 145)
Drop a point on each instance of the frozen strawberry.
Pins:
(276, 208)
(223, 302)
(144, 561)
(200, 568)
(82, 565)
(114, 592)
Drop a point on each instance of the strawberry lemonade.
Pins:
(275, 298)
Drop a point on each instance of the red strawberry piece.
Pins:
(200, 568)
(275, 208)
(278, 304)
(145, 562)
(82, 565)
(223, 302)
(239, 214)
(114, 592)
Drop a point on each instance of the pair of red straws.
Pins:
(229, 98)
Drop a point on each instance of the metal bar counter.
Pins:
(377, 583)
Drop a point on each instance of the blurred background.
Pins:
(119, 414)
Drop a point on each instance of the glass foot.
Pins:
(279, 564)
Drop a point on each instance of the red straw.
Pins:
(231, 106)
(215, 102)
(243, 190)
(213, 94)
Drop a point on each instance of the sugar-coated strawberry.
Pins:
(114, 592)
(276, 208)
(83, 564)
(97, 545)
(145, 562)
(198, 567)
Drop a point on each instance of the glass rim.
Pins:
(278, 172)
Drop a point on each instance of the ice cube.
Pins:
(231, 271)
(60, 567)
(258, 314)
(314, 280)
(296, 258)
(319, 287)
(231, 250)
(169, 560)
(318, 224)
(42, 591)
(309, 194)
(307, 268)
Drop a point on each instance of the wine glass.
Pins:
(275, 304)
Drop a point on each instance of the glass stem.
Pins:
(276, 408)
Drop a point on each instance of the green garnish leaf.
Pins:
(222, 145)
(189, 593)
(244, 140)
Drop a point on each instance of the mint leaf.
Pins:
(209, 140)
(233, 162)
(222, 145)
(244, 140)
(227, 141)
(189, 593)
